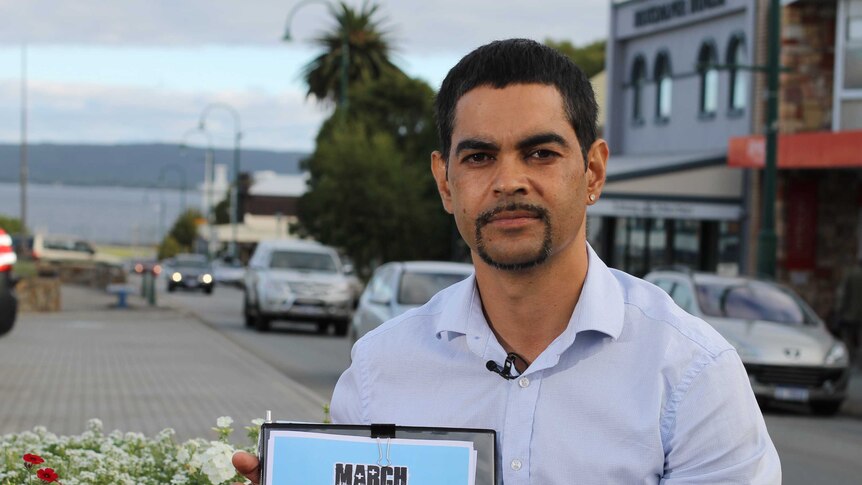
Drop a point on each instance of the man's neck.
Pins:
(528, 309)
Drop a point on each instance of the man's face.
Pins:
(516, 182)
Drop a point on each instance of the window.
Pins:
(638, 79)
(663, 86)
(707, 60)
(737, 57)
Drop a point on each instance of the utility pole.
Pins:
(23, 165)
(766, 239)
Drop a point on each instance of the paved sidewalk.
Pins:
(138, 369)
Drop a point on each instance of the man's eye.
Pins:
(543, 154)
(477, 158)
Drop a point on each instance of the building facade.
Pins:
(677, 90)
(686, 111)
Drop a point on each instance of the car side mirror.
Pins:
(347, 269)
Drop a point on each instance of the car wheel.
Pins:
(208, 290)
(341, 328)
(262, 323)
(171, 288)
(246, 313)
(826, 408)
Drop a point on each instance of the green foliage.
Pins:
(367, 200)
(10, 224)
(185, 228)
(222, 210)
(590, 58)
(368, 52)
(169, 247)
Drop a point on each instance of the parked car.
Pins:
(8, 302)
(61, 249)
(397, 287)
(142, 266)
(191, 271)
(786, 348)
(228, 271)
(297, 280)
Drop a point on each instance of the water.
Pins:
(107, 215)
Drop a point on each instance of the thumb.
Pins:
(247, 465)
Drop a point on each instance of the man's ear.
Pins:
(597, 162)
(441, 177)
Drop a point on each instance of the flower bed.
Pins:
(95, 458)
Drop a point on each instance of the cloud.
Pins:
(449, 26)
(73, 112)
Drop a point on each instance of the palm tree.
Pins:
(368, 52)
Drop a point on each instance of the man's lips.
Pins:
(514, 215)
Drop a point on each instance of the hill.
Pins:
(134, 165)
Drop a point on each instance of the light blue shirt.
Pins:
(635, 390)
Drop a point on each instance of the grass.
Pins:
(128, 252)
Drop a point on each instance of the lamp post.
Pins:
(209, 158)
(234, 193)
(345, 51)
(766, 239)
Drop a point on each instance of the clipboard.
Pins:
(484, 442)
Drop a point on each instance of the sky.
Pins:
(139, 71)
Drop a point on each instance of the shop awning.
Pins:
(840, 149)
(626, 167)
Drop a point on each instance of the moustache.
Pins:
(538, 211)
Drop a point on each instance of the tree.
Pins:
(185, 229)
(590, 58)
(169, 247)
(368, 56)
(10, 224)
(367, 200)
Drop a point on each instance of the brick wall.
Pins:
(808, 52)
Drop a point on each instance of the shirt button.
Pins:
(523, 382)
(516, 464)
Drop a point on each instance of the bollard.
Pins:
(151, 293)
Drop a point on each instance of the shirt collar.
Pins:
(600, 308)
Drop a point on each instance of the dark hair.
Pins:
(519, 61)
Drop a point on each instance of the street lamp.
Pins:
(234, 194)
(209, 158)
(345, 49)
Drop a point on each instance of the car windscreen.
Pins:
(191, 264)
(753, 301)
(301, 260)
(418, 288)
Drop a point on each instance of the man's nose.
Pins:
(510, 177)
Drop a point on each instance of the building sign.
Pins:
(671, 10)
(612, 207)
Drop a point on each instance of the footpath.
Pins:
(138, 369)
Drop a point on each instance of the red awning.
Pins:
(822, 149)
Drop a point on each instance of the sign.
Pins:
(299, 457)
(671, 10)
(664, 209)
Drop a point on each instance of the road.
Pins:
(813, 450)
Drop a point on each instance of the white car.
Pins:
(299, 281)
(399, 286)
(786, 349)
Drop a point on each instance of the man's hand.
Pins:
(247, 465)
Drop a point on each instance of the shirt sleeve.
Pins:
(715, 432)
(346, 406)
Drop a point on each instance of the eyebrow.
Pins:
(475, 144)
(541, 139)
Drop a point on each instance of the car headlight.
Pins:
(837, 355)
(276, 288)
(207, 279)
(340, 289)
(176, 277)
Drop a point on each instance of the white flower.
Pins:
(215, 462)
(224, 422)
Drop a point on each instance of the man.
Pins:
(614, 383)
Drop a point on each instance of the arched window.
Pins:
(707, 60)
(638, 79)
(663, 81)
(736, 56)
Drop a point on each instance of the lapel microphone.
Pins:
(506, 370)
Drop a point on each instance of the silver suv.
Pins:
(784, 345)
(300, 281)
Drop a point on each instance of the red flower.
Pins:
(47, 475)
(32, 459)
